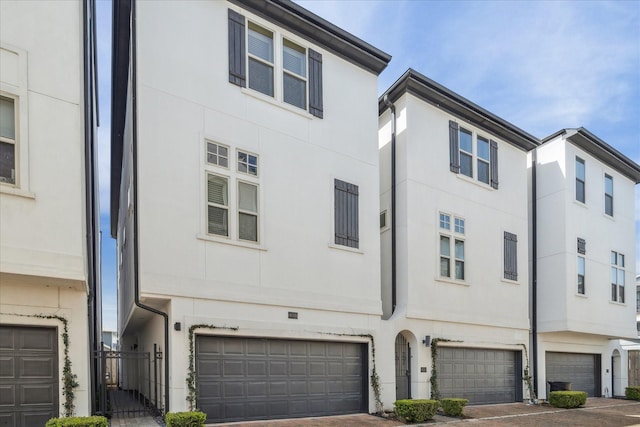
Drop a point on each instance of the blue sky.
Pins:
(541, 65)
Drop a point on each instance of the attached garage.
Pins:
(28, 375)
(580, 369)
(480, 375)
(241, 379)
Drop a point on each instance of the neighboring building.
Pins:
(49, 234)
(460, 252)
(584, 256)
(244, 202)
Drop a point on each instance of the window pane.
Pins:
(580, 284)
(445, 222)
(444, 267)
(459, 249)
(459, 225)
(614, 292)
(621, 260)
(614, 275)
(7, 163)
(608, 205)
(466, 167)
(580, 265)
(295, 91)
(248, 227)
(294, 58)
(483, 148)
(614, 258)
(620, 277)
(217, 191)
(460, 270)
(260, 42)
(620, 293)
(7, 118)
(580, 169)
(217, 154)
(248, 197)
(218, 221)
(465, 141)
(608, 185)
(445, 249)
(483, 171)
(580, 191)
(260, 77)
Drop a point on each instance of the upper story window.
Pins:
(295, 80)
(7, 140)
(473, 155)
(617, 276)
(346, 219)
(608, 195)
(232, 205)
(452, 257)
(580, 180)
(581, 274)
(638, 299)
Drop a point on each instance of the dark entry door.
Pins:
(403, 368)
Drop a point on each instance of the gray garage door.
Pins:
(252, 378)
(28, 376)
(581, 370)
(480, 375)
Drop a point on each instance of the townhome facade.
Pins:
(583, 261)
(244, 202)
(49, 240)
(455, 282)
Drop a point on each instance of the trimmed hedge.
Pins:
(94, 421)
(453, 407)
(415, 410)
(632, 392)
(185, 419)
(567, 399)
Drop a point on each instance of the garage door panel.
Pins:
(480, 375)
(580, 369)
(29, 372)
(279, 378)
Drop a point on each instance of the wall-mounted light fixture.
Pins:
(177, 326)
(427, 341)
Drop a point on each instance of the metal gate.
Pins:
(403, 368)
(129, 384)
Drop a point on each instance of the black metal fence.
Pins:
(128, 385)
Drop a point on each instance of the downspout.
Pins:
(88, 13)
(534, 273)
(134, 150)
(393, 201)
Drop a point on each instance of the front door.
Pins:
(403, 368)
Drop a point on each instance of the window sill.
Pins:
(581, 204)
(609, 217)
(280, 104)
(621, 304)
(452, 281)
(475, 181)
(579, 295)
(14, 191)
(228, 241)
(346, 248)
(509, 281)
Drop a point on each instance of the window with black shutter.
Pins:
(510, 256)
(237, 55)
(346, 214)
(582, 246)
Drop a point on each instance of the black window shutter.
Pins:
(346, 214)
(582, 246)
(510, 256)
(315, 83)
(493, 159)
(454, 150)
(237, 57)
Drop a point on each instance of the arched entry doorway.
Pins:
(403, 367)
(616, 374)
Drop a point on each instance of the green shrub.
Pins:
(632, 393)
(415, 410)
(185, 419)
(453, 407)
(567, 399)
(78, 422)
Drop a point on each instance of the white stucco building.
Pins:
(583, 260)
(244, 201)
(49, 241)
(457, 272)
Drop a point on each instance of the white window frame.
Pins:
(17, 89)
(475, 158)
(577, 160)
(278, 64)
(234, 177)
(618, 267)
(582, 258)
(453, 233)
(605, 195)
(12, 141)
